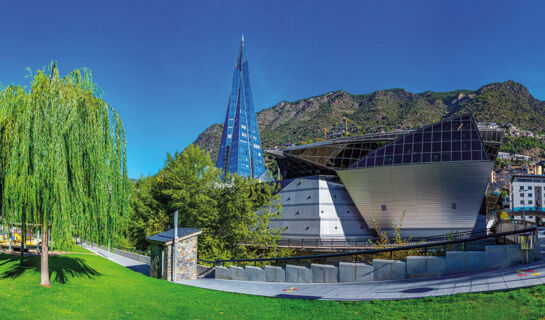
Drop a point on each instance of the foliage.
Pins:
(231, 213)
(63, 158)
(518, 145)
(383, 241)
(96, 288)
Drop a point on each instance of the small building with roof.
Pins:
(162, 254)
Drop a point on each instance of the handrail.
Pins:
(372, 251)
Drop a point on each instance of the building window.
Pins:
(529, 201)
(529, 194)
(522, 195)
(383, 207)
(521, 201)
(453, 205)
(521, 188)
(529, 187)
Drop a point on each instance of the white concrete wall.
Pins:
(317, 209)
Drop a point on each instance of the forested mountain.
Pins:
(304, 120)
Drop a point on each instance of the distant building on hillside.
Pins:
(240, 149)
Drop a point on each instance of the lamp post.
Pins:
(175, 252)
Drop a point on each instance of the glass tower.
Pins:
(240, 149)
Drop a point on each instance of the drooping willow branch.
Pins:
(63, 158)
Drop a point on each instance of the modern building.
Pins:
(240, 150)
(436, 178)
(527, 197)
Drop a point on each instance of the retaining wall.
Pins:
(494, 256)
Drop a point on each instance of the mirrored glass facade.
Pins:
(240, 150)
(450, 140)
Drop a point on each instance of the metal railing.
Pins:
(334, 244)
(456, 239)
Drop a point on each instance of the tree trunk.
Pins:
(44, 263)
(23, 238)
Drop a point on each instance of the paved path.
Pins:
(126, 262)
(491, 280)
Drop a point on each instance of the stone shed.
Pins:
(162, 254)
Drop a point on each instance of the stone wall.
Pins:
(493, 256)
(187, 259)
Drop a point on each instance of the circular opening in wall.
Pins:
(308, 197)
(322, 211)
(335, 196)
(335, 227)
(348, 211)
(307, 228)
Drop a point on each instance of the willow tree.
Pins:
(62, 161)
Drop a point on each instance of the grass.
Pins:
(91, 287)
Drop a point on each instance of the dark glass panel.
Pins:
(407, 158)
(418, 137)
(445, 156)
(436, 127)
(426, 157)
(408, 148)
(476, 145)
(437, 136)
(408, 139)
(476, 155)
(389, 150)
(398, 149)
(370, 162)
(456, 135)
(484, 156)
(446, 135)
(466, 145)
(417, 147)
(465, 117)
(456, 146)
(466, 155)
(397, 159)
(426, 147)
(457, 125)
(436, 147)
(427, 136)
(456, 156)
(379, 161)
(467, 125)
(417, 158)
(446, 125)
(388, 160)
(466, 135)
(446, 145)
(436, 157)
(380, 152)
(474, 135)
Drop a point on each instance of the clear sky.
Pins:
(167, 66)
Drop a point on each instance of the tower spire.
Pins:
(240, 149)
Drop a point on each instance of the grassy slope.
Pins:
(116, 292)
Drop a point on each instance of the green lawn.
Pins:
(89, 286)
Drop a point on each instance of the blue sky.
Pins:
(166, 66)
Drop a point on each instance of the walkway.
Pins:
(126, 262)
(491, 280)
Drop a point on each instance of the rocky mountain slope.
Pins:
(304, 120)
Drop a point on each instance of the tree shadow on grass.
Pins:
(61, 268)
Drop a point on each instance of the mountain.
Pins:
(304, 120)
